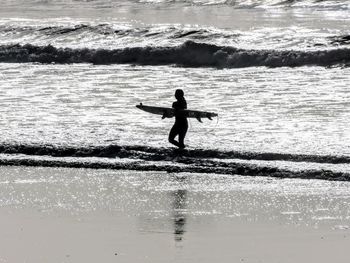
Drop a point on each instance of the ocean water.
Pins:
(276, 72)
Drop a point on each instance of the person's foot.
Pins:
(182, 146)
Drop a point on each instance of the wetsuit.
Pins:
(181, 125)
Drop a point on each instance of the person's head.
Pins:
(179, 94)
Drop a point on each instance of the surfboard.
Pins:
(170, 112)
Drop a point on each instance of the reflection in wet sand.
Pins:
(179, 213)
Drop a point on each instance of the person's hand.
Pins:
(167, 114)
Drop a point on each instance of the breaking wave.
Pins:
(189, 54)
(120, 36)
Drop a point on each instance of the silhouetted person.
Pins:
(180, 126)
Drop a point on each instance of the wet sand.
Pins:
(86, 215)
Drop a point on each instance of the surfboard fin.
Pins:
(199, 119)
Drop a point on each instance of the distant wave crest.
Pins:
(103, 4)
(189, 54)
(255, 3)
(170, 31)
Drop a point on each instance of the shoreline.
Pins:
(187, 165)
(155, 153)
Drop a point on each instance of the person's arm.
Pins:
(168, 114)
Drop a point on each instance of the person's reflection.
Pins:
(179, 216)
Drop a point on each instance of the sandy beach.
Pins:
(87, 215)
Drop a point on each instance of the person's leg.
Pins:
(182, 135)
(173, 132)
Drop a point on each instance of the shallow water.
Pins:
(303, 110)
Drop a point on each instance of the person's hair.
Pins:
(179, 93)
